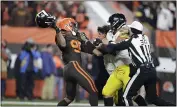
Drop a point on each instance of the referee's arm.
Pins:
(110, 48)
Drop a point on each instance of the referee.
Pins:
(142, 69)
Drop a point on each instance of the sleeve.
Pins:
(87, 47)
(59, 46)
(110, 48)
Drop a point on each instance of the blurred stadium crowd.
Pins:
(152, 14)
(45, 63)
(20, 13)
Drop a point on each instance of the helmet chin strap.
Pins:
(74, 33)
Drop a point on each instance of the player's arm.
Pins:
(59, 38)
(87, 46)
(93, 47)
(123, 33)
(110, 48)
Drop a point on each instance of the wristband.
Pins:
(57, 29)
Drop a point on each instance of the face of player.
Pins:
(66, 33)
(101, 36)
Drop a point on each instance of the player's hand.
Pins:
(100, 46)
(83, 37)
(57, 29)
(53, 25)
(96, 42)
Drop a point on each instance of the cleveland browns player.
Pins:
(71, 42)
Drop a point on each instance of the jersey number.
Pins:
(76, 45)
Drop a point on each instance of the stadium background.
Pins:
(18, 26)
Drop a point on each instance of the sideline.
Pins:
(27, 103)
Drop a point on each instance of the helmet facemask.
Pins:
(73, 27)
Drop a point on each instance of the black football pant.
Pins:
(147, 77)
(74, 74)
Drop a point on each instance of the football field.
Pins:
(41, 103)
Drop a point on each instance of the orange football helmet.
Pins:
(68, 24)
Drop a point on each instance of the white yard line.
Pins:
(41, 103)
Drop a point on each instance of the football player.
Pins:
(71, 42)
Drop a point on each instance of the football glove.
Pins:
(57, 29)
(82, 37)
(96, 42)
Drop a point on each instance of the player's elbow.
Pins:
(63, 45)
(60, 40)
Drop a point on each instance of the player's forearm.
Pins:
(60, 40)
(88, 47)
(103, 48)
(97, 52)
(117, 47)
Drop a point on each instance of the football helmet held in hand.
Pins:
(44, 20)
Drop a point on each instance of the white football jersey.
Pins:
(111, 62)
